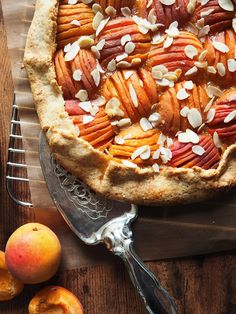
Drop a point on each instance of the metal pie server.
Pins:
(95, 219)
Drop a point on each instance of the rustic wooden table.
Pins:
(200, 285)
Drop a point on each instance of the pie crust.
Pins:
(98, 170)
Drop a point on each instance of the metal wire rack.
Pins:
(17, 181)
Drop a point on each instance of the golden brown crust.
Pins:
(99, 171)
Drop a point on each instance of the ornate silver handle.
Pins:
(118, 239)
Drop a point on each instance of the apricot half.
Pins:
(9, 285)
(55, 300)
(33, 253)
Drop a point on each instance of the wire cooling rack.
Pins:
(17, 181)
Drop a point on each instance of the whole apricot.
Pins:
(9, 286)
(33, 253)
(55, 300)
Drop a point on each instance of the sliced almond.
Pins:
(129, 47)
(136, 61)
(101, 44)
(188, 85)
(140, 150)
(87, 119)
(227, 5)
(123, 65)
(172, 31)
(152, 16)
(184, 111)
(112, 108)
(125, 39)
(96, 52)
(85, 42)
(77, 74)
(75, 23)
(204, 31)
(126, 11)
(194, 118)
(167, 2)
(145, 124)
(201, 64)
(231, 65)
(182, 94)
(210, 115)
(72, 1)
(193, 137)
(154, 117)
(156, 154)
(217, 140)
(67, 48)
(121, 57)
(111, 11)
(220, 46)
(191, 7)
(213, 91)
(230, 116)
(203, 2)
(128, 74)
(190, 51)
(221, 69)
(82, 95)
(198, 150)
(97, 20)
(72, 53)
(99, 101)
(146, 154)
(133, 96)
(111, 65)
(87, 1)
(85, 105)
(206, 12)
(96, 8)
(234, 24)
(211, 69)
(169, 141)
(203, 55)
(156, 168)
(129, 164)
(191, 71)
(124, 123)
(161, 140)
(208, 106)
(101, 25)
(96, 76)
(168, 42)
(119, 140)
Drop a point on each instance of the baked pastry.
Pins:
(138, 98)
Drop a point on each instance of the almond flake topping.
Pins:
(184, 111)
(72, 1)
(121, 56)
(111, 65)
(125, 39)
(169, 141)
(166, 154)
(123, 65)
(102, 24)
(206, 12)
(203, 55)
(213, 91)
(210, 115)
(234, 24)
(173, 31)
(167, 2)
(97, 20)
(217, 140)
(221, 69)
(129, 47)
(133, 95)
(220, 46)
(198, 150)
(168, 42)
(201, 64)
(154, 117)
(208, 106)
(128, 74)
(101, 44)
(87, 119)
(75, 22)
(111, 11)
(72, 53)
(85, 105)
(100, 101)
(190, 51)
(145, 124)
(156, 168)
(96, 8)
(96, 52)
(67, 48)
(188, 137)
(96, 76)
(182, 94)
(156, 154)
(188, 85)
(211, 69)
(194, 118)
(152, 16)
(77, 75)
(191, 71)
(119, 140)
(204, 31)
(230, 116)
(126, 11)
(112, 108)
(82, 95)
(129, 164)
(85, 41)
(124, 123)
(147, 154)
(161, 140)
(140, 150)
(203, 2)
(157, 75)
(231, 65)
(87, 1)
(191, 7)
(227, 5)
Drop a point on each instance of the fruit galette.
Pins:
(138, 98)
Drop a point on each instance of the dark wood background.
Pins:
(200, 285)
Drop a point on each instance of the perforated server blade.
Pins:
(95, 219)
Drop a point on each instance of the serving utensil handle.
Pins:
(157, 300)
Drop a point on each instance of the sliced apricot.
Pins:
(224, 106)
(218, 19)
(99, 132)
(117, 4)
(216, 57)
(68, 32)
(134, 137)
(55, 300)
(86, 63)
(169, 107)
(131, 85)
(183, 154)
(174, 57)
(113, 32)
(9, 285)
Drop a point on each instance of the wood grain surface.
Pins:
(202, 285)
